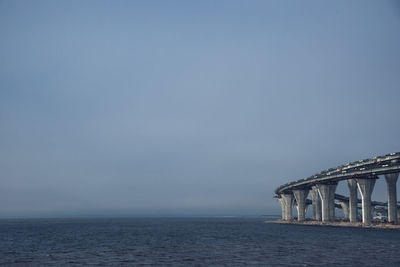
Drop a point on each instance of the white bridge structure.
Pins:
(360, 175)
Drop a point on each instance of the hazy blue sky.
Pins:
(146, 108)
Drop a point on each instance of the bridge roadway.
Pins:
(361, 174)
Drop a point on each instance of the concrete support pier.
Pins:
(398, 214)
(306, 207)
(353, 209)
(288, 203)
(283, 207)
(324, 190)
(301, 196)
(316, 203)
(366, 186)
(345, 208)
(332, 190)
(391, 181)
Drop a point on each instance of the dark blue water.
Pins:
(192, 242)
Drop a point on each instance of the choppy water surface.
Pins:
(182, 242)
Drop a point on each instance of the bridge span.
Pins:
(360, 175)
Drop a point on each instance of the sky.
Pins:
(189, 108)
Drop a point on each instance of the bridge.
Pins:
(361, 174)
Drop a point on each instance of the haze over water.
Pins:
(181, 108)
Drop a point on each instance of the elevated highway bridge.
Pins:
(360, 175)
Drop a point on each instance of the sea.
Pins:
(191, 242)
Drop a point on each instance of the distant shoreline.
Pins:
(337, 224)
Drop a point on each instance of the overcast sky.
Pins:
(189, 108)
